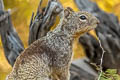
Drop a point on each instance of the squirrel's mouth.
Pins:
(85, 30)
(92, 27)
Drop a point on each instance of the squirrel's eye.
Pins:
(82, 17)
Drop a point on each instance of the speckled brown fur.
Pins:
(49, 58)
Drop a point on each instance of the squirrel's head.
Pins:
(77, 23)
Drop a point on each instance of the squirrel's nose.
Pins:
(94, 21)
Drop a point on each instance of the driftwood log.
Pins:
(11, 42)
(107, 30)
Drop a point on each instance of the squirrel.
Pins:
(49, 57)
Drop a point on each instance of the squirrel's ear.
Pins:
(68, 11)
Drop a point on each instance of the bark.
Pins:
(1, 5)
(10, 40)
(43, 20)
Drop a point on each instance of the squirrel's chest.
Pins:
(60, 45)
(62, 49)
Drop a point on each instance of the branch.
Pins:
(1, 5)
(10, 40)
(43, 20)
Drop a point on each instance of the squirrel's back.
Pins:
(31, 64)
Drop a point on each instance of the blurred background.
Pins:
(21, 20)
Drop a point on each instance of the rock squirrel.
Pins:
(49, 57)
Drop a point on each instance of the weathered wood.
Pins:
(11, 42)
(81, 70)
(43, 20)
(1, 5)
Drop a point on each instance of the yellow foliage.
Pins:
(111, 6)
(69, 3)
(5, 68)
